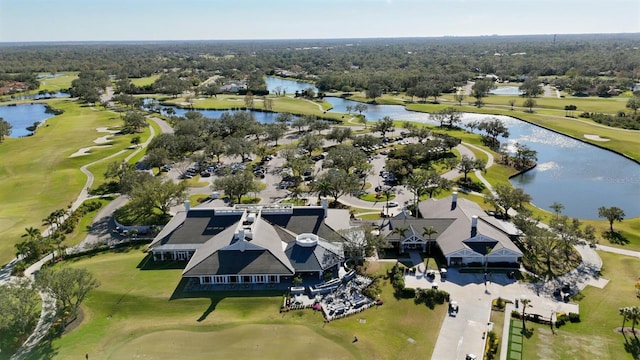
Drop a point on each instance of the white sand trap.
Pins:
(103, 139)
(595, 137)
(86, 151)
(106, 129)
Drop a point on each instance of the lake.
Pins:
(578, 175)
(23, 116)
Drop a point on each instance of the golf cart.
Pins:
(453, 308)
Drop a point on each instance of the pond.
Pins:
(289, 86)
(506, 90)
(22, 116)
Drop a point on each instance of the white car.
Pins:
(391, 204)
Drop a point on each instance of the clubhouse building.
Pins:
(253, 244)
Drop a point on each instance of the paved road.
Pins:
(465, 332)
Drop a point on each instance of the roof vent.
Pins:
(307, 240)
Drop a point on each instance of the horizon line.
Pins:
(307, 39)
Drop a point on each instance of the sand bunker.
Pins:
(595, 137)
(106, 129)
(102, 140)
(87, 150)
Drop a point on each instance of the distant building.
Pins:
(233, 86)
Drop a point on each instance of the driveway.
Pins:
(466, 332)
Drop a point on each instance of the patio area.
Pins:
(336, 298)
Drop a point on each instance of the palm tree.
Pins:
(400, 230)
(525, 302)
(428, 231)
(49, 221)
(557, 208)
(323, 188)
(624, 312)
(634, 316)
(32, 233)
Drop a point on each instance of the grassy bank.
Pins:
(594, 337)
(131, 314)
(41, 176)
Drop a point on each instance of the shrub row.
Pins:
(562, 318)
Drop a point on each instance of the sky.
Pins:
(152, 20)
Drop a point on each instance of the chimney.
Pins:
(187, 205)
(474, 225)
(454, 200)
(325, 206)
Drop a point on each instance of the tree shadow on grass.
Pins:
(147, 263)
(528, 332)
(632, 346)
(615, 237)
(215, 296)
(44, 350)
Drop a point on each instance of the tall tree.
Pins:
(634, 104)
(531, 88)
(236, 186)
(215, 147)
(507, 198)
(157, 195)
(374, 90)
(340, 182)
(557, 208)
(69, 287)
(467, 165)
(310, 142)
(133, 122)
(525, 304)
(383, 126)
(493, 127)
(449, 117)
(275, 132)
(340, 134)
(19, 312)
(284, 119)
(239, 146)
(429, 231)
(611, 214)
(529, 103)
(480, 90)
(5, 129)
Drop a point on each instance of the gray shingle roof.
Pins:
(317, 258)
(195, 227)
(268, 247)
(453, 237)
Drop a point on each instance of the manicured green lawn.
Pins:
(131, 315)
(59, 82)
(40, 176)
(144, 81)
(594, 336)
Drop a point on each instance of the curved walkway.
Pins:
(48, 308)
